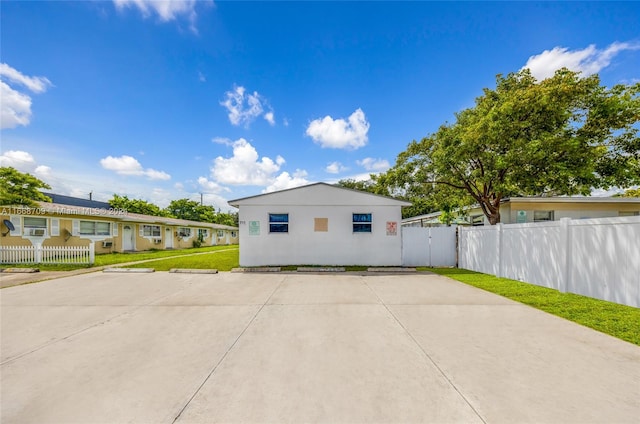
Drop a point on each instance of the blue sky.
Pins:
(162, 100)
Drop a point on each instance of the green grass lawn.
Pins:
(223, 260)
(620, 321)
(119, 258)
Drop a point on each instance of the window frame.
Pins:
(362, 222)
(278, 223)
(184, 232)
(476, 220)
(27, 229)
(203, 232)
(95, 231)
(550, 216)
(151, 228)
(32, 226)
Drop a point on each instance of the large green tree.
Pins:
(17, 188)
(136, 206)
(564, 135)
(194, 211)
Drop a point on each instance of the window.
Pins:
(151, 230)
(234, 234)
(184, 232)
(278, 222)
(35, 226)
(203, 233)
(95, 228)
(35, 222)
(361, 222)
(477, 220)
(628, 213)
(220, 233)
(541, 216)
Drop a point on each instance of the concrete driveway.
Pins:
(164, 348)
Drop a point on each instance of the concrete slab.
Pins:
(327, 363)
(141, 367)
(518, 364)
(320, 269)
(225, 289)
(430, 289)
(40, 326)
(130, 270)
(193, 271)
(300, 348)
(305, 289)
(96, 289)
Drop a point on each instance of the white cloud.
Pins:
(152, 174)
(166, 10)
(269, 118)
(127, 165)
(210, 186)
(244, 167)
(201, 77)
(34, 84)
(335, 168)
(25, 162)
(222, 140)
(376, 165)
(285, 181)
(588, 61)
(178, 186)
(16, 106)
(43, 172)
(245, 107)
(340, 133)
(18, 159)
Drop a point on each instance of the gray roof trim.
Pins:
(103, 213)
(234, 202)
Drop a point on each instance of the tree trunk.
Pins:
(494, 217)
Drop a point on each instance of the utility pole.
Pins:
(201, 203)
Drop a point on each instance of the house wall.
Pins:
(569, 210)
(303, 245)
(573, 210)
(66, 236)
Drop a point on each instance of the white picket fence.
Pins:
(39, 254)
(599, 258)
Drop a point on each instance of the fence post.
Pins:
(565, 260)
(37, 253)
(499, 272)
(92, 252)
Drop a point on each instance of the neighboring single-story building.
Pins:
(111, 230)
(536, 209)
(320, 224)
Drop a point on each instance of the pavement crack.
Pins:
(224, 356)
(426, 355)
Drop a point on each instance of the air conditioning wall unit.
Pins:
(107, 244)
(38, 232)
(157, 241)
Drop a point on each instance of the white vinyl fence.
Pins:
(598, 258)
(39, 254)
(429, 246)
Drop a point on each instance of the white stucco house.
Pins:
(320, 224)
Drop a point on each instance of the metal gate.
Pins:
(429, 246)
